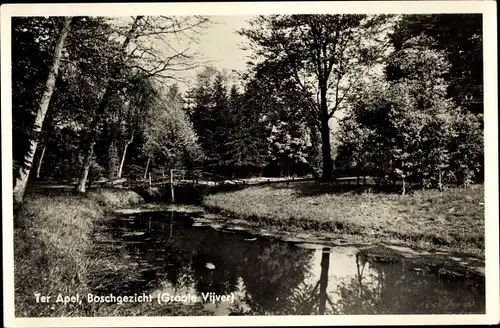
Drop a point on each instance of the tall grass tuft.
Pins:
(50, 251)
(115, 197)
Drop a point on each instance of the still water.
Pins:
(174, 253)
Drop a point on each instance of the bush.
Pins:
(115, 197)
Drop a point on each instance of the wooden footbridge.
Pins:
(185, 177)
(200, 178)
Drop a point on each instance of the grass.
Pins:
(115, 197)
(57, 251)
(451, 220)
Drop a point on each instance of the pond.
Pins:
(199, 260)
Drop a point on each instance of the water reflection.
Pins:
(268, 276)
(393, 288)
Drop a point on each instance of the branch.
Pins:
(314, 107)
(367, 67)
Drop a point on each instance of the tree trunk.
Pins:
(24, 170)
(325, 138)
(147, 167)
(93, 139)
(120, 170)
(404, 186)
(86, 167)
(40, 162)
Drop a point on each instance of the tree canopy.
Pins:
(97, 96)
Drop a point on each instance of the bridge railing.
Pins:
(200, 177)
(192, 177)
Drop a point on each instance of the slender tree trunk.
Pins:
(325, 138)
(404, 186)
(120, 170)
(24, 170)
(93, 139)
(40, 162)
(147, 167)
(86, 167)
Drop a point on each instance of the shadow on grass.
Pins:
(316, 188)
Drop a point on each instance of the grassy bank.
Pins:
(57, 250)
(452, 220)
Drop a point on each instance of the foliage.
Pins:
(291, 133)
(408, 129)
(115, 92)
(228, 124)
(112, 75)
(459, 36)
(324, 56)
(168, 134)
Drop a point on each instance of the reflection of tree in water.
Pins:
(280, 289)
(313, 299)
(157, 255)
(391, 288)
(272, 275)
(224, 253)
(272, 272)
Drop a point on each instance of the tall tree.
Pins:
(24, 170)
(325, 54)
(291, 131)
(110, 87)
(140, 58)
(408, 128)
(169, 138)
(139, 104)
(460, 37)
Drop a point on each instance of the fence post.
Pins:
(172, 185)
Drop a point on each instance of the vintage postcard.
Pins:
(278, 163)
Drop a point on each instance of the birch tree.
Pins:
(24, 170)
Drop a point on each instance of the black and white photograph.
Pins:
(211, 161)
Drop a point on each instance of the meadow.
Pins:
(451, 220)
